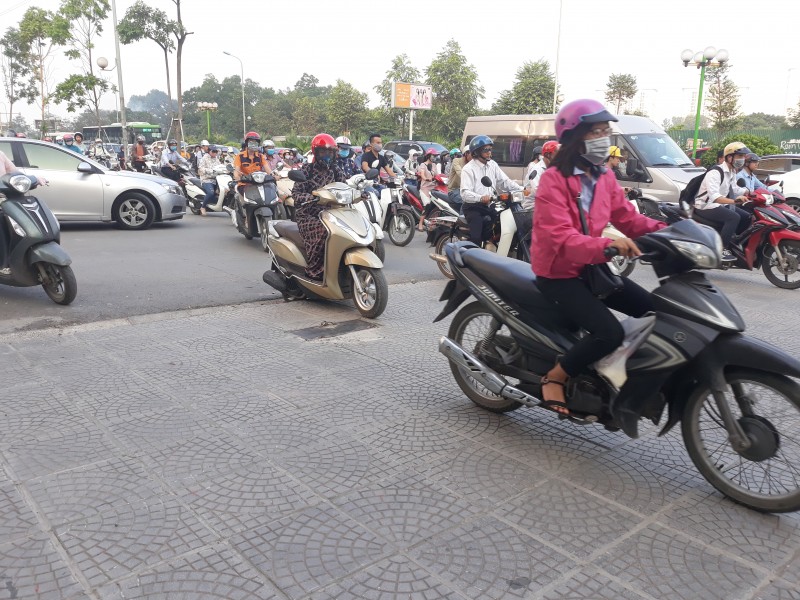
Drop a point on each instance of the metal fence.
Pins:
(788, 140)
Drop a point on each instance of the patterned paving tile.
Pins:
(591, 584)
(17, 519)
(415, 439)
(488, 559)
(309, 550)
(160, 428)
(778, 590)
(30, 568)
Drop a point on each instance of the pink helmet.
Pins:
(576, 112)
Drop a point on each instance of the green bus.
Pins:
(113, 133)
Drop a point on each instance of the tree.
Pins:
(762, 120)
(344, 107)
(43, 31)
(16, 65)
(722, 100)
(758, 144)
(307, 85)
(306, 116)
(456, 91)
(620, 88)
(401, 69)
(227, 119)
(144, 22)
(157, 103)
(80, 90)
(794, 117)
(532, 92)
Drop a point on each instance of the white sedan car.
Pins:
(83, 190)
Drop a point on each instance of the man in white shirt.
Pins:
(537, 153)
(475, 195)
(712, 202)
(170, 160)
(533, 178)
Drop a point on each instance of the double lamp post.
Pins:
(710, 57)
(208, 107)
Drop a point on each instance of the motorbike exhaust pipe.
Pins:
(440, 258)
(491, 380)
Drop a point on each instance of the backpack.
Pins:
(689, 193)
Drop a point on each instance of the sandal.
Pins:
(557, 406)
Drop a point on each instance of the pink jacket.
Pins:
(559, 249)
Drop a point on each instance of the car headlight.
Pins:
(16, 227)
(702, 256)
(21, 183)
(171, 188)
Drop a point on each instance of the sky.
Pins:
(356, 42)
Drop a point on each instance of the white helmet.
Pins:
(204, 142)
(343, 139)
(269, 144)
(98, 141)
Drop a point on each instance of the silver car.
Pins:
(83, 190)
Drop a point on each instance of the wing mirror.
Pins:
(486, 181)
(297, 176)
(741, 182)
(85, 167)
(375, 164)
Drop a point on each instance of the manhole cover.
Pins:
(329, 330)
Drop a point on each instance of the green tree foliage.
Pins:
(88, 118)
(456, 91)
(156, 103)
(722, 98)
(758, 144)
(145, 22)
(16, 66)
(83, 89)
(762, 120)
(794, 117)
(532, 92)
(402, 70)
(619, 89)
(344, 107)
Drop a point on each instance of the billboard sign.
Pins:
(410, 95)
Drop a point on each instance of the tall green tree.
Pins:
(401, 69)
(344, 107)
(762, 120)
(532, 92)
(456, 91)
(86, 87)
(16, 66)
(156, 103)
(227, 119)
(620, 88)
(793, 117)
(145, 22)
(722, 99)
(307, 115)
(43, 32)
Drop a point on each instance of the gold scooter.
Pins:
(352, 270)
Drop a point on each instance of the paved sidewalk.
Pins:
(234, 453)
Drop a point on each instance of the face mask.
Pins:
(597, 150)
(344, 153)
(377, 147)
(271, 152)
(326, 160)
(252, 145)
(173, 148)
(738, 163)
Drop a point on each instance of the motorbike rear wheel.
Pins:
(372, 302)
(767, 407)
(401, 228)
(444, 239)
(63, 287)
(472, 328)
(777, 271)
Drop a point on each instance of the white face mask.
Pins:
(252, 145)
(738, 163)
(597, 150)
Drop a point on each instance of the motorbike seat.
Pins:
(291, 231)
(696, 216)
(196, 181)
(413, 190)
(440, 195)
(462, 221)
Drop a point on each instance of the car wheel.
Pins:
(134, 211)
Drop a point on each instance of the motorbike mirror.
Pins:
(279, 166)
(532, 176)
(85, 167)
(375, 164)
(372, 173)
(632, 167)
(741, 182)
(297, 176)
(486, 181)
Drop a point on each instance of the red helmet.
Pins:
(550, 147)
(323, 140)
(252, 135)
(431, 151)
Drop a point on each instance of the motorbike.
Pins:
(34, 234)
(372, 210)
(351, 268)
(226, 192)
(733, 395)
(285, 186)
(397, 219)
(769, 243)
(256, 206)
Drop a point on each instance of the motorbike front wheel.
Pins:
(621, 266)
(61, 287)
(263, 228)
(401, 228)
(241, 227)
(767, 407)
(783, 273)
(371, 301)
(380, 250)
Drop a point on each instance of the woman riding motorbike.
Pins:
(561, 250)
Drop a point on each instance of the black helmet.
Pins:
(478, 142)
(173, 141)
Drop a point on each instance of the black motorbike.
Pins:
(256, 206)
(31, 245)
(733, 395)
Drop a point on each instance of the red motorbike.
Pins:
(411, 195)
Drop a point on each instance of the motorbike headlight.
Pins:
(171, 188)
(702, 256)
(768, 199)
(259, 177)
(16, 227)
(21, 183)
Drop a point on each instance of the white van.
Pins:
(655, 164)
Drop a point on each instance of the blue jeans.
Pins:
(211, 191)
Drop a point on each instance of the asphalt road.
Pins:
(191, 263)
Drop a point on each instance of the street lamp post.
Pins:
(102, 62)
(708, 57)
(244, 118)
(208, 107)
